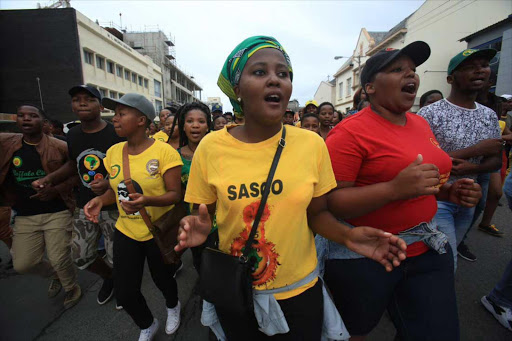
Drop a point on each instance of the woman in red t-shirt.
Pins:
(390, 169)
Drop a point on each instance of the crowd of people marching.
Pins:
(361, 212)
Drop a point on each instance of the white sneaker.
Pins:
(149, 333)
(173, 319)
(502, 314)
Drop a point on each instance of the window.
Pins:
(134, 78)
(349, 86)
(110, 67)
(146, 83)
(341, 89)
(113, 94)
(121, 95)
(158, 89)
(103, 92)
(119, 71)
(127, 75)
(100, 62)
(140, 80)
(158, 105)
(87, 57)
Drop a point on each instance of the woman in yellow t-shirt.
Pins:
(228, 171)
(155, 169)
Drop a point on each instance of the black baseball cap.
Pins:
(418, 51)
(89, 89)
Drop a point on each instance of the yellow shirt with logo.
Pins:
(146, 170)
(160, 136)
(231, 173)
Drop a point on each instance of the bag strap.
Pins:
(129, 185)
(266, 192)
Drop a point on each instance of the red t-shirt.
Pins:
(367, 149)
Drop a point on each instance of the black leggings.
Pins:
(129, 257)
(304, 315)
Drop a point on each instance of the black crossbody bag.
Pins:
(226, 280)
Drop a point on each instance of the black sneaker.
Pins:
(106, 291)
(463, 251)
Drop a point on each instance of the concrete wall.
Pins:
(325, 93)
(504, 84)
(98, 41)
(153, 45)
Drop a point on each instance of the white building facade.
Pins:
(439, 24)
(442, 25)
(113, 67)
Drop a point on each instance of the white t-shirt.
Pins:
(457, 128)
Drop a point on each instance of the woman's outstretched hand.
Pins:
(383, 247)
(194, 229)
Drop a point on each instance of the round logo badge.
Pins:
(114, 171)
(17, 161)
(468, 52)
(98, 176)
(86, 177)
(91, 162)
(152, 167)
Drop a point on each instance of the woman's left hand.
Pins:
(465, 192)
(136, 203)
(383, 247)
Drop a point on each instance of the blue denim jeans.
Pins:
(507, 189)
(454, 221)
(483, 180)
(502, 292)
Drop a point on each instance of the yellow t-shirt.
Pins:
(231, 173)
(503, 124)
(146, 170)
(160, 136)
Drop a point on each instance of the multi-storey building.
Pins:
(178, 87)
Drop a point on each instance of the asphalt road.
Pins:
(27, 314)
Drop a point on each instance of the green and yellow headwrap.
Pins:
(235, 64)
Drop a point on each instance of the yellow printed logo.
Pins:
(443, 178)
(435, 143)
(468, 52)
(17, 161)
(91, 162)
(114, 171)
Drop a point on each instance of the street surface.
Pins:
(27, 314)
